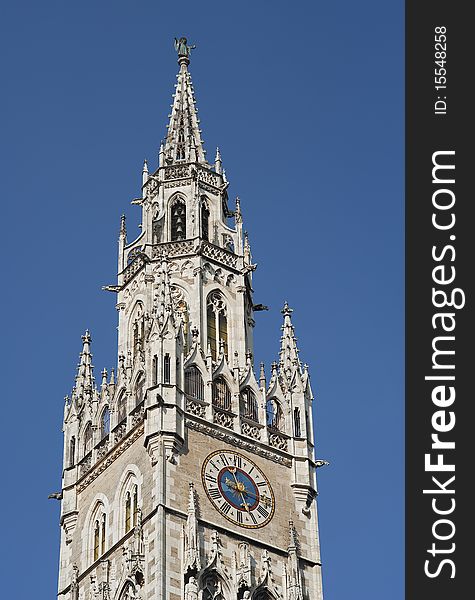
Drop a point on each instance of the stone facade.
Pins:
(136, 516)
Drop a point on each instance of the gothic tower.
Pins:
(186, 475)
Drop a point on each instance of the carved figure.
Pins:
(181, 46)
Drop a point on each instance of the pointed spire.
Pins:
(192, 545)
(218, 164)
(262, 376)
(123, 228)
(237, 212)
(183, 142)
(161, 156)
(289, 353)
(144, 172)
(85, 377)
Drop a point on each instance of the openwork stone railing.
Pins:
(85, 464)
(223, 418)
(174, 248)
(138, 414)
(119, 431)
(278, 440)
(196, 407)
(177, 171)
(220, 254)
(251, 429)
(102, 447)
(133, 268)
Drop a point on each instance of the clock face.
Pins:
(238, 489)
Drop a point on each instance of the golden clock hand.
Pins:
(239, 486)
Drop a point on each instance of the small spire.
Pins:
(112, 379)
(85, 377)
(218, 165)
(123, 228)
(161, 156)
(262, 376)
(224, 176)
(104, 377)
(237, 212)
(289, 354)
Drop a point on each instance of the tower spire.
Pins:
(183, 142)
(289, 353)
(85, 378)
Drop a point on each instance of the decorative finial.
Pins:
(123, 229)
(286, 310)
(218, 165)
(183, 50)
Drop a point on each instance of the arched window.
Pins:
(166, 368)
(131, 508)
(139, 389)
(178, 220)
(249, 406)
(275, 416)
(204, 221)
(128, 510)
(105, 422)
(135, 504)
(297, 425)
(122, 407)
(194, 386)
(97, 536)
(99, 532)
(221, 394)
(217, 323)
(88, 438)
(72, 451)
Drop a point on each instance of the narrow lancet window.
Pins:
(204, 222)
(297, 425)
(217, 324)
(194, 386)
(275, 416)
(221, 394)
(166, 368)
(249, 407)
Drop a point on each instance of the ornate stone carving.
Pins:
(177, 172)
(252, 431)
(234, 440)
(196, 408)
(278, 441)
(208, 177)
(104, 464)
(223, 418)
(190, 536)
(179, 183)
(219, 254)
(242, 566)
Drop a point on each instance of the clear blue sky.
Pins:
(305, 100)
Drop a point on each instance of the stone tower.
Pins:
(186, 475)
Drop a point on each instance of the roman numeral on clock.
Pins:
(211, 478)
(214, 493)
(261, 483)
(225, 508)
(262, 511)
(224, 459)
(239, 517)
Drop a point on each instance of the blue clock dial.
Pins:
(238, 489)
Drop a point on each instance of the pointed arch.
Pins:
(87, 439)
(129, 500)
(96, 522)
(204, 218)
(178, 219)
(105, 422)
(139, 388)
(297, 423)
(221, 394)
(194, 385)
(217, 323)
(121, 406)
(249, 405)
(213, 586)
(275, 415)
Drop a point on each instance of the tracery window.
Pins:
(217, 323)
(178, 220)
(275, 416)
(131, 508)
(99, 533)
(249, 406)
(194, 386)
(88, 438)
(221, 394)
(122, 407)
(105, 422)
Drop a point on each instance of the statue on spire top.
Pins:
(181, 46)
